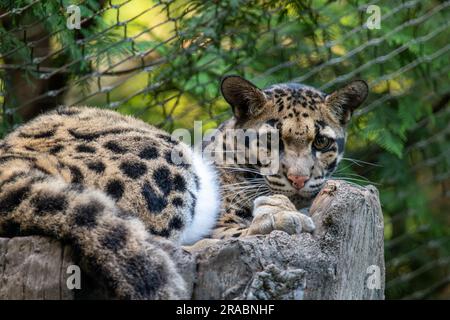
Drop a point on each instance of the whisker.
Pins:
(258, 194)
(232, 167)
(251, 193)
(250, 201)
(243, 170)
(239, 169)
(242, 190)
(358, 162)
(358, 176)
(349, 179)
(342, 169)
(352, 161)
(249, 181)
(252, 197)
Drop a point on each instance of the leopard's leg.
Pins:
(231, 225)
(275, 212)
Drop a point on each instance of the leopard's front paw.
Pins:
(277, 212)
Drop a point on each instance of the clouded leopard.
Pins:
(108, 184)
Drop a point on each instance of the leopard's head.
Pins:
(311, 127)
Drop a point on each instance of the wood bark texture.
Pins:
(342, 259)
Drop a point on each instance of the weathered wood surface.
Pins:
(332, 263)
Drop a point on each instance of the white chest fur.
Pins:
(208, 202)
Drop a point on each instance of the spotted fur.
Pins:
(104, 183)
(107, 184)
(300, 114)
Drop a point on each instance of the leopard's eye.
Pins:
(322, 143)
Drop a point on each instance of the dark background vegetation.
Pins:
(162, 61)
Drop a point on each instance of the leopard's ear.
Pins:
(345, 100)
(245, 98)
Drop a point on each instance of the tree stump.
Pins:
(342, 259)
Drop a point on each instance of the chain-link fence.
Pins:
(162, 61)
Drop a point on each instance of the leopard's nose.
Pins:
(298, 181)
